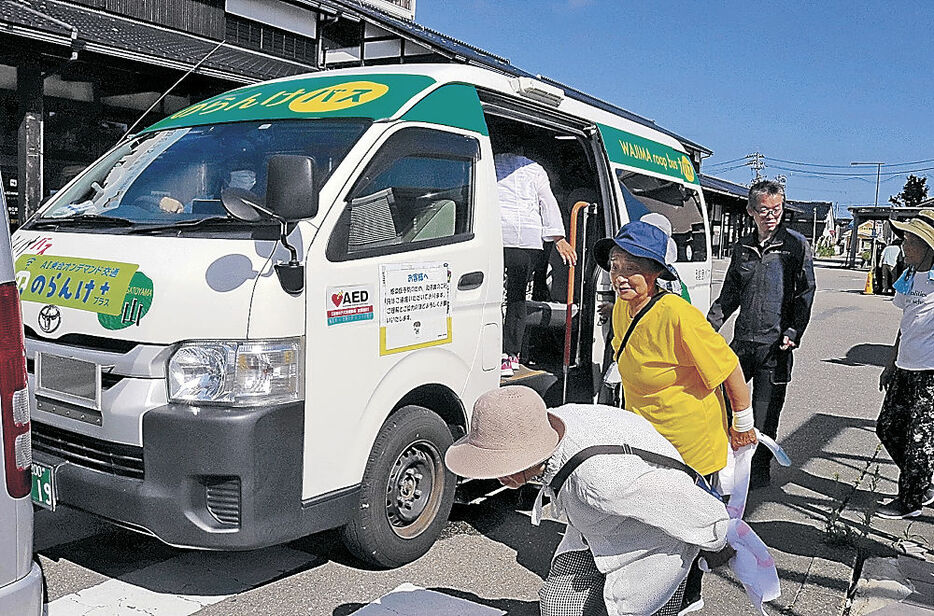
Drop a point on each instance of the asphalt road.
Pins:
(490, 554)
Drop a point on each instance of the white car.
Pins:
(20, 576)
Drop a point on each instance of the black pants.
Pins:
(888, 277)
(769, 369)
(906, 429)
(519, 264)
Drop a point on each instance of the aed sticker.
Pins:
(85, 284)
(338, 96)
(347, 304)
(687, 169)
(136, 303)
(415, 306)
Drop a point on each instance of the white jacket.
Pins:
(644, 523)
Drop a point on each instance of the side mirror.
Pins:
(291, 192)
(242, 204)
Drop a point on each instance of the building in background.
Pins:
(399, 8)
(726, 211)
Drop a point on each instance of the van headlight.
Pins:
(237, 372)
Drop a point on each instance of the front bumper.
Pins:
(213, 478)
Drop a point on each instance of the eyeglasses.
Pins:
(774, 212)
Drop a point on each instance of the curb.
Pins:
(894, 585)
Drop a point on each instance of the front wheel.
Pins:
(406, 493)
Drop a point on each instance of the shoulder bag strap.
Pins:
(636, 319)
(649, 456)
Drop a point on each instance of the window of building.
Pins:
(680, 204)
(254, 35)
(416, 192)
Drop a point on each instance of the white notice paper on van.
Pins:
(415, 306)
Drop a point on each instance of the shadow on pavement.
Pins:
(497, 518)
(809, 444)
(865, 355)
(513, 607)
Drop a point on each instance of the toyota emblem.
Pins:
(50, 317)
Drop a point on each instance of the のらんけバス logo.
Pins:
(338, 96)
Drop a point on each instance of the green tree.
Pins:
(914, 192)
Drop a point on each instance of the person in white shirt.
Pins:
(890, 255)
(635, 517)
(906, 422)
(530, 216)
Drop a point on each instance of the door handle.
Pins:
(471, 280)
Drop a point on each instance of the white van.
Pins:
(20, 575)
(270, 313)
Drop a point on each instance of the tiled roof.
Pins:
(808, 207)
(724, 186)
(117, 36)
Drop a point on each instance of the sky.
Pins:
(818, 85)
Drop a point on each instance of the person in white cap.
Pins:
(906, 422)
(634, 525)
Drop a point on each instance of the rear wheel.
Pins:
(406, 493)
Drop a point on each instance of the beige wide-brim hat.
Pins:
(510, 431)
(922, 226)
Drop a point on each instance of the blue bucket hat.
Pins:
(640, 239)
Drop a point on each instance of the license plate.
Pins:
(43, 485)
(68, 379)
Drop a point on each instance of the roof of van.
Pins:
(257, 101)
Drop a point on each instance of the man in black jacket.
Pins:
(771, 280)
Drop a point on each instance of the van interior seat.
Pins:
(371, 221)
(548, 314)
(436, 220)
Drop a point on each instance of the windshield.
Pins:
(177, 175)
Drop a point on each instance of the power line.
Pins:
(725, 169)
(852, 175)
(914, 162)
(727, 162)
(803, 164)
(755, 161)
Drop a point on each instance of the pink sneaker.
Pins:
(506, 366)
(514, 361)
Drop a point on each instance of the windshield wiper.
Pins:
(91, 220)
(188, 224)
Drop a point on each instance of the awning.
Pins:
(55, 22)
(723, 187)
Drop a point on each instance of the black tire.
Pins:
(398, 520)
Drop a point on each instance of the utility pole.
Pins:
(878, 165)
(878, 176)
(754, 160)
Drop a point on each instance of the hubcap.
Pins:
(412, 498)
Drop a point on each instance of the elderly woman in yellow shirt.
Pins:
(673, 363)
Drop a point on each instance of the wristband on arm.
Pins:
(743, 420)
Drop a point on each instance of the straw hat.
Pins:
(922, 226)
(510, 431)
